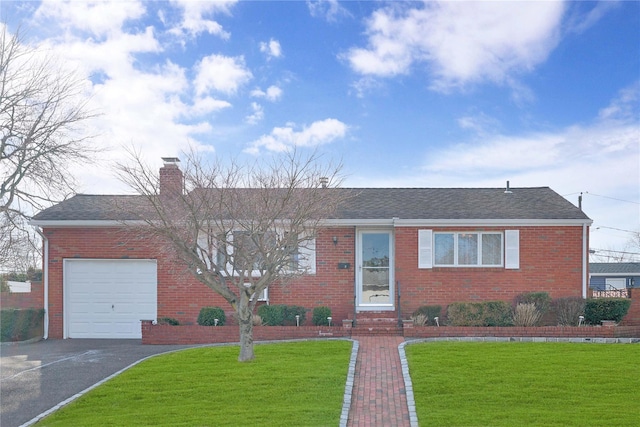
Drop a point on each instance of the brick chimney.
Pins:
(171, 178)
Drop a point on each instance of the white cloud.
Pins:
(272, 48)
(194, 21)
(256, 115)
(327, 9)
(207, 104)
(273, 93)
(283, 138)
(461, 42)
(221, 73)
(97, 18)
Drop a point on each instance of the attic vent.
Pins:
(508, 189)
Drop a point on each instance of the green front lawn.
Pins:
(525, 384)
(289, 384)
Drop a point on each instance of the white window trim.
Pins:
(456, 235)
(510, 250)
(306, 255)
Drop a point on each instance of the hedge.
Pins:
(20, 324)
(597, 310)
(489, 313)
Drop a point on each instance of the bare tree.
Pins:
(41, 108)
(241, 228)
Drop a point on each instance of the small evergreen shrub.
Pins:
(208, 315)
(20, 324)
(489, 313)
(271, 315)
(568, 310)
(597, 310)
(320, 315)
(168, 321)
(290, 312)
(429, 312)
(526, 314)
(281, 314)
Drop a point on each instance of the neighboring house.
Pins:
(386, 250)
(605, 276)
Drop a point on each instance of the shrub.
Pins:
(597, 310)
(526, 314)
(568, 310)
(320, 315)
(4, 286)
(281, 314)
(290, 312)
(419, 319)
(490, 313)
(542, 300)
(20, 325)
(429, 312)
(271, 315)
(168, 321)
(208, 315)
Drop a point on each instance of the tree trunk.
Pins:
(245, 320)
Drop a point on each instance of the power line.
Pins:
(612, 198)
(617, 252)
(613, 228)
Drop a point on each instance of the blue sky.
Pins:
(406, 94)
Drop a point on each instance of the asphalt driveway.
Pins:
(37, 376)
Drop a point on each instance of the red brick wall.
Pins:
(180, 295)
(550, 261)
(33, 299)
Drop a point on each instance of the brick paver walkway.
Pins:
(379, 395)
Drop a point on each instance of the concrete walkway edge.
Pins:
(408, 385)
(348, 388)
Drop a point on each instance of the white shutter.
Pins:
(307, 253)
(512, 249)
(425, 248)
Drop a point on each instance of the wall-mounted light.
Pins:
(335, 240)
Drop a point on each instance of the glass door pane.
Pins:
(375, 268)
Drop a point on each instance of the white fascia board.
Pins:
(397, 222)
(84, 223)
(637, 273)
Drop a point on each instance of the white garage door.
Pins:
(108, 298)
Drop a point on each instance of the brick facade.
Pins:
(33, 299)
(550, 261)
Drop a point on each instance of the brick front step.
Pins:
(364, 331)
(377, 326)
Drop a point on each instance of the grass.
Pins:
(532, 384)
(289, 384)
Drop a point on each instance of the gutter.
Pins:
(45, 281)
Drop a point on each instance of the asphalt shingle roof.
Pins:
(614, 268)
(364, 203)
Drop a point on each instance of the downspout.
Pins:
(585, 260)
(45, 281)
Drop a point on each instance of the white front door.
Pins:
(374, 278)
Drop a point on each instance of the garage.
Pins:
(108, 298)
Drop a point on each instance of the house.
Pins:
(386, 250)
(611, 276)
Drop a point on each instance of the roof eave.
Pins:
(426, 222)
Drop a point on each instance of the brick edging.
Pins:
(195, 334)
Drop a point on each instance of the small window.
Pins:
(468, 249)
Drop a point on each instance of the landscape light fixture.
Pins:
(437, 320)
(297, 320)
(329, 320)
